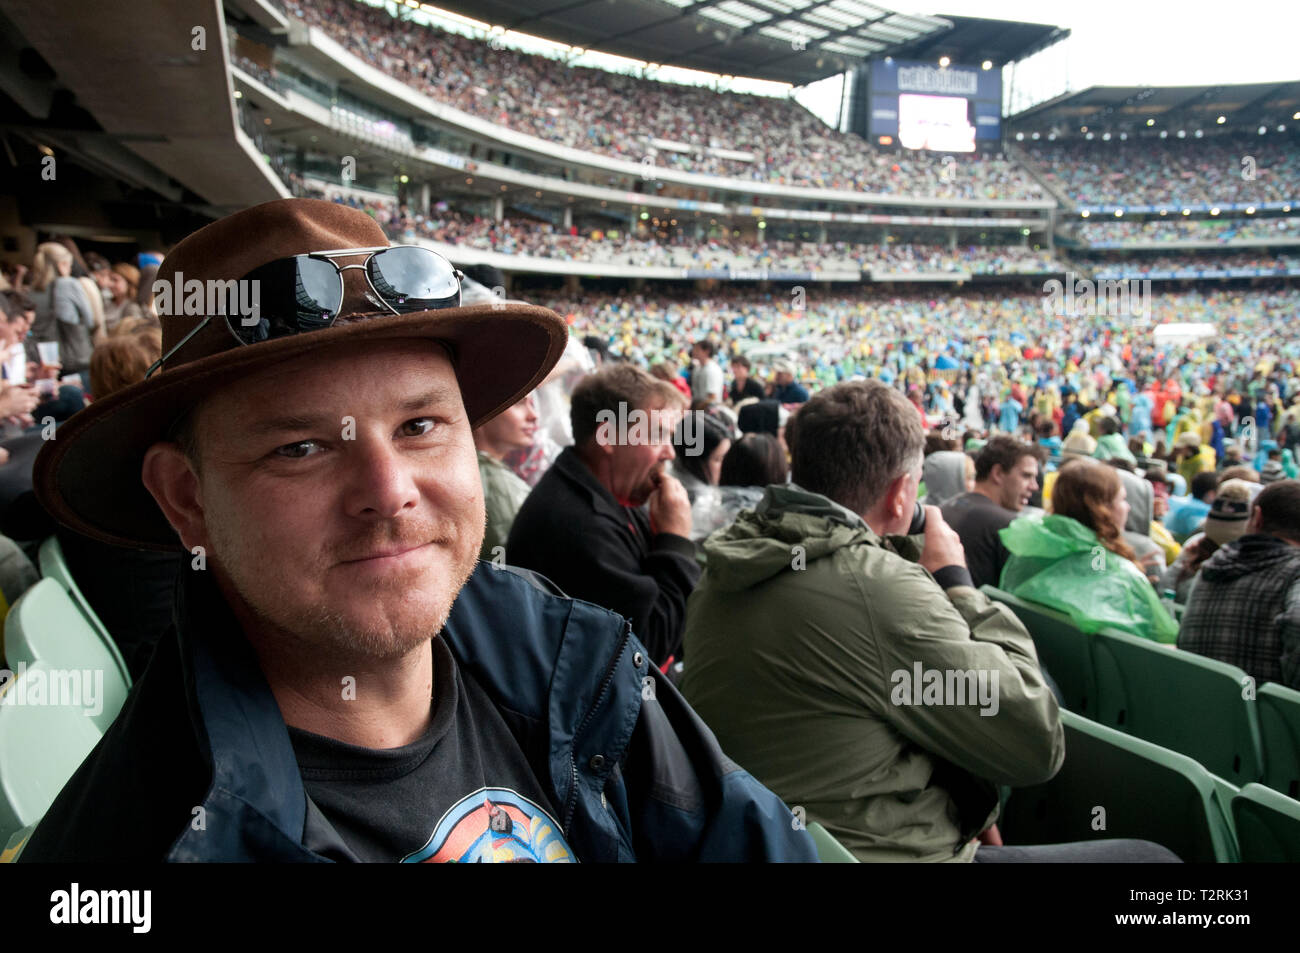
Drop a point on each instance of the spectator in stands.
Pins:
(1191, 458)
(63, 312)
(755, 460)
(1006, 476)
(803, 677)
(1077, 561)
(1111, 445)
(701, 441)
(784, 387)
(1186, 519)
(665, 373)
(1245, 608)
(123, 284)
(503, 491)
(1273, 469)
(706, 375)
(326, 558)
(742, 385)
(947, 474)
(584, 526)
(1225, 522)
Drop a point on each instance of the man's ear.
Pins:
(897, 496)
(169, 477)
(1252, 524)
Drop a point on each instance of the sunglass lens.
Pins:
(293, 295)
(414, 279)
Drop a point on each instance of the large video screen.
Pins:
(940, 123)
(926, 106)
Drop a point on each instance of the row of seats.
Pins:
(1206, 709)
(49, 632)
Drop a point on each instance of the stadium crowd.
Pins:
(1187, 230)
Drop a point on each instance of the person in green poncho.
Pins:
(503, 491)
(1077, 562)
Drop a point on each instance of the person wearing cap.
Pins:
(344, 680)
(1225, 522)
(784, 387)
(1245, 607)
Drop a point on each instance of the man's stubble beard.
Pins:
(327, 632)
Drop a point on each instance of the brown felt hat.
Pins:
(88, 476)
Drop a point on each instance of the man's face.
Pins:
(340, 496)
(740, 372)
(1018, 484)
(635, 466)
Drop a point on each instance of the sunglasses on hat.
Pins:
(305, 293)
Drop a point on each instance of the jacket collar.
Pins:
(571, 467)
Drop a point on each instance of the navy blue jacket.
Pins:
(198, 766)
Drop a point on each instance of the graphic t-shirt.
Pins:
(462, 793)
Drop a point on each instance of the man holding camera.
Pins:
(850, 664)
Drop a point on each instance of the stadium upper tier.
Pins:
(692, 129)
(1120, 232)
(1173, 173)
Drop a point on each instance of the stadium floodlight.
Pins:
(1214, 211)
(1119, 213)
(1164, 133)
(1105, 137)
(1182, 133)
(1151, 122)
(1020, 137)
(1052, 136)
(944, 61)
(1083, 128)
(238, 94)
(1123, 137)
(1221, 120)
(762, 224)
(1090, 136)
(403, 178)
(1084, 214)
(1295, 115)
(1281, 128)
(987, 64)
(1164, 211)
(1286, 208)
(1187, 211)
(1263, 129)
(1199, 133)
(1250, 210)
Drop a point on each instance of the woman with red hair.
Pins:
(1076, 559)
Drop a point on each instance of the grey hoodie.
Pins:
(944, 473)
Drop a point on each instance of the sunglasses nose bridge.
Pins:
(358, 296)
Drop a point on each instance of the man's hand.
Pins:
(17, 400)
(942, 544)
(43, 372)
(670, 507)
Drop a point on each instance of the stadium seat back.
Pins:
(54, 566)
(1279, 730)
(41, 746)
(45, 625)
(1268, 825)
(1179, 700)
(829, 850)
(1063, 650)
(14, 848)
(1114, 785)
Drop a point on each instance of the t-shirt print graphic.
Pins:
(494, 826)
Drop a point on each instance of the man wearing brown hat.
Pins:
(345, 681)
(1245, 607)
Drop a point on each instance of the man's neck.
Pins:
(989, 492)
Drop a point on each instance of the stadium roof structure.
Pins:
(788, 41)
(1151, 110)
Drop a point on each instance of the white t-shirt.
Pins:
(706, 380)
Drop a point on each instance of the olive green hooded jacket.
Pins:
(804, 640)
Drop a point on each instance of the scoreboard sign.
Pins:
(941, 108)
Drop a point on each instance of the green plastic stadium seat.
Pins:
(45, 625)
(1279, 730)
(1268, 825)
(41, 745)
(1179, 700)
(54, 566)
(829, 850)
(1063, 650)
(1145, 791)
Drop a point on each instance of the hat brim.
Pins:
(88, 476)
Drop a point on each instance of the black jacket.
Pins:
(573, 531)
(199, 767)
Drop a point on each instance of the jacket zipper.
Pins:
(571, 803)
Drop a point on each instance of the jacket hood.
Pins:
(1139, 494)
(1255, 552)
(1048, 538)
(944, 473)
(761, 542)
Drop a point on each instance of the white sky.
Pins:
(1112, 43)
